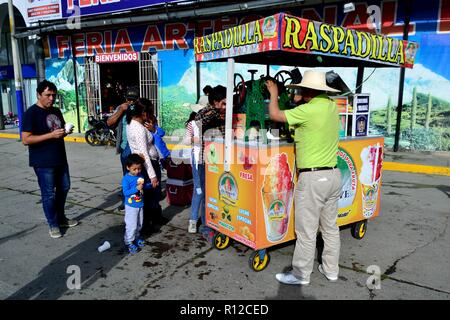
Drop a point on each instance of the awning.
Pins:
(278, 40)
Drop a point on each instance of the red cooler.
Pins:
(180, 165)
(179, 169)
(179, 192)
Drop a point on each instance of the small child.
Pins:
(158, 134)
(133, 185)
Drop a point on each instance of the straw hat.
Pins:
(314, 80)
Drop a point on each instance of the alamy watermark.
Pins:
(374, 281)
(74, 21)
(74, 280)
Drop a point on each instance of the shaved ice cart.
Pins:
(250, 182)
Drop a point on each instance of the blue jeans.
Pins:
(201, 173)
(123, 158)
(54, 183)
(198, 196)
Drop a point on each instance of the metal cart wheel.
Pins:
(221, 241)
(359, 229)
(259, 260)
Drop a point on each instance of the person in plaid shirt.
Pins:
(211, 122)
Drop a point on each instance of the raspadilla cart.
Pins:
(250, 183)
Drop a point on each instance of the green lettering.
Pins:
(381, 55)
(310, 36)
(236, 36)
(241, 36)
(208, 44)
(220, 40)
(400, 53)
(325, 37)
(361, 46)
(229, 38)
(374, 46)
(390, 56)
(338, 37)
(257, 32)
(349, 43)
(293, 28)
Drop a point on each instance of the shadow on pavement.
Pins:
(290, 292)
(171, 211)
(294, 292)
(51, 282)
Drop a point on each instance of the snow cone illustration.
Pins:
(277, 193)
(372, 160)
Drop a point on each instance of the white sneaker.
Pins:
(329, 278)
(192, 226)
(289, 278)
(55, 232)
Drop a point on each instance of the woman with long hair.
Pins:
(192, 138)
(140, 141)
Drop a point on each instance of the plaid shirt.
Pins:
(206, 119)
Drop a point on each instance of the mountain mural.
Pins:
(65, 77)
(61, 73)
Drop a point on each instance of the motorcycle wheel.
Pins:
(91, 138)
(112, 139)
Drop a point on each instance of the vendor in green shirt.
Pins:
(318, 188)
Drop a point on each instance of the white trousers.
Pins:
(133, 223)
(316, 208)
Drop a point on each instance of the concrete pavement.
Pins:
(409, 243)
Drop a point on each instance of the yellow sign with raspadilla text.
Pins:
(285, 33)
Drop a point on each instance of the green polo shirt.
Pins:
(316, 132)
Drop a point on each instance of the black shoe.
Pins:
(121, 208)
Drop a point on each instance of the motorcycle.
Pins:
(10, 120)
(100, 134)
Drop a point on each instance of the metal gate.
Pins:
(149, 83)
(93, 93)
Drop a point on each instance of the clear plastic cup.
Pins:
(68, 127)
(105, 246)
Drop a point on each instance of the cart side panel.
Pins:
(230, 201)
(274, 195)
(360, 162)
(213, 169)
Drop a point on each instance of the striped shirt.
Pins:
(140, 141)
